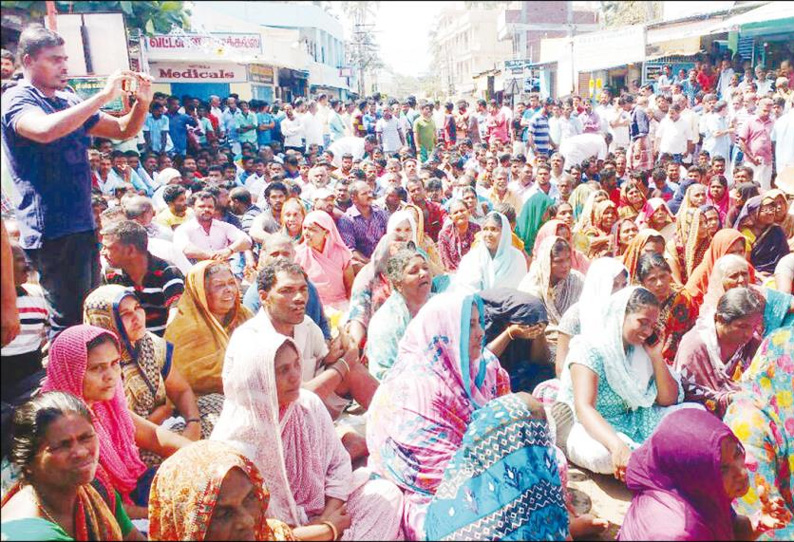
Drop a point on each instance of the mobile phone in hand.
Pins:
(653, 340)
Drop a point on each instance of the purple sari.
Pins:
(677, 484)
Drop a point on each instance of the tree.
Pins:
(622, 13)
(152, 17)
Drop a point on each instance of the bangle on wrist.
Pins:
(338, 371)
(192, 420)
(510, 332)
(334, 532)
(344, 362)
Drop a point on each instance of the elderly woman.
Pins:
(85, 361)
(288, 434)
(210, 491)
(63, 493)
(599, 234)
(493, 262)
(457, 235)
(208, 312)
(766, 240)
(532, 216)
(146, 364)
(409, 274)
(726, 241)
(761, 415)
(685, 478)
(688, 246)
(783, 218)
(713, 355)
(694, 197)
(646, 242)
(616, 384)
(677, 309)
(326, 260)
(656, 215)
(293, 213)
(432, 421)
(632, 200)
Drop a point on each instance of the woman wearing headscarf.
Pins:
(293, 213)
(739, 195)
(783, 218)
(646, 242)
(616, 385)
(599, 234)
(84, 361)
(208, 312)
(712, 217)
(623, 232)
(326, 260)
(684, 479)
(514, 326)
(766, 240)
(411, 280)
(561, 229)
(579, 198)
(287, 433)
(733, 271)
(688, 246)
(632, 200)
(423, 241)
(552, 280)
(493, 261)
(727, 241)
(762, 417)
(531, 217)
(656, 215)
(713, 355)
(429, 414)
(147, 369)
(457, 235)
(719, 196)
(677, 309)
(694, 197)
(191, 484)
(586, 220)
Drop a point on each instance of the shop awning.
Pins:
(679, 47)
(770, 18)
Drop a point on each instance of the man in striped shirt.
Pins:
(538, 137)
(157, 283)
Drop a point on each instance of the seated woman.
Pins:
(677, 310)
(553, 281)
(713, 356)
(326, 260)
(493, 262)
(599, 233)
(733, 271)
(684, 479)
(739, 195)
(147, 372)
(410, 277)
(288, 434)
(424, 242)
(782, 216)
(766, 240)
(624, 231)
(514, 332)
(618, 386)
(632, 200)
(565, 214)
(457, 235)
(688, 246)
(719, 197)
(293, 213)
(761, 416)
(656, 215)
(711, 214)
(208, 312)
(605, 277)
(561, 229)
(646, 242)
(210, 491)
(435, 402)
(63, 493)
(694, 197)
(585, 218)
(727, 241)
(531, 217)
(85, 361)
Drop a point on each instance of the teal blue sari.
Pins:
(776, 312)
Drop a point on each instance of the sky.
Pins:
(402, 33)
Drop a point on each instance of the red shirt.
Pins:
(705, 81)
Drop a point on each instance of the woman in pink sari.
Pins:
(288, 434)
(326, 259)
(559, 228)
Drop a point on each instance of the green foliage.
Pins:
(151, 17)
(621, 13)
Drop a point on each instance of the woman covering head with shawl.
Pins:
(118, 453)
(656, 215)
(531, 218)
(424, 406)
(688, 246)
(783, 218)
(719, 196)
(561, 229)
(762, 417)
(493, 261)
(766, 241)
(646, 241)
(326, 259)
(186, 491)
(287, 433)
(632, 200)
(726, 241)
(677, 480)
(579, 198)
(599, 234)
(694, 197)
(198, 334)
(423, 242)
(623, 232)
(740, 194)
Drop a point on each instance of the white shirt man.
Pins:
(578, 148)
(312, 127)
(292, 130)
(390, 133)
(673, 134)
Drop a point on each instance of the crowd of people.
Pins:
(385, 320)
